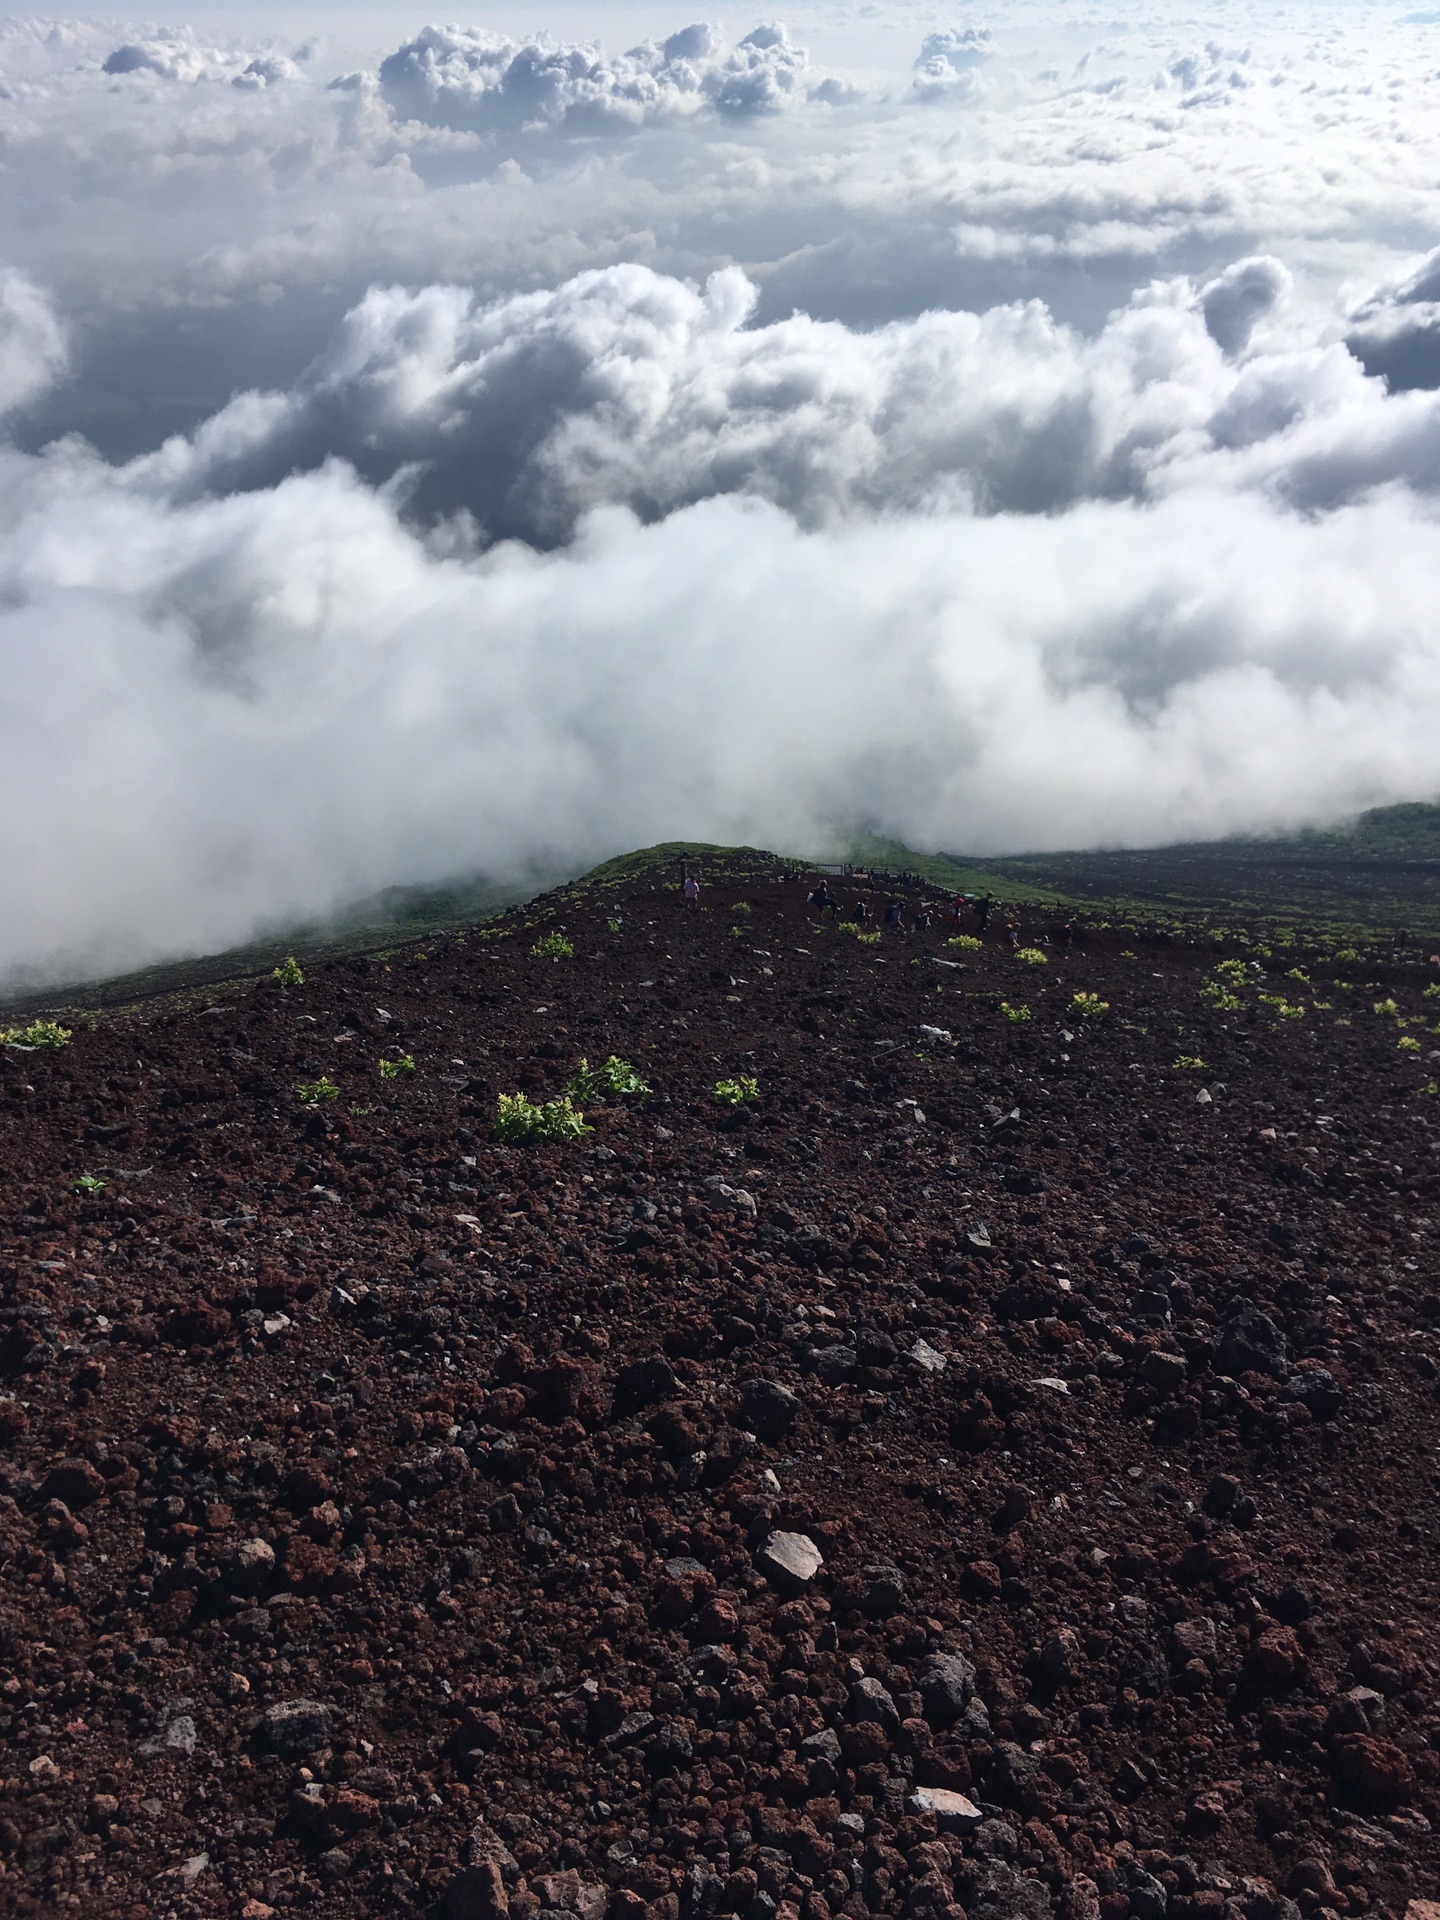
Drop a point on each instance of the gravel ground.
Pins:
(991, 1474)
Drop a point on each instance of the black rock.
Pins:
(295, 1727)
(767, 1409)
(1318, 1391)
(644, 1383)
(945, 1683)
(1250, 1342)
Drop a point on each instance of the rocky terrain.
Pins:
(989, 1475)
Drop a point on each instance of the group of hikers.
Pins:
(977, 907)
(892, 919)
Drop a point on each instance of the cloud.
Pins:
(1395, 333)
(520, 449)
(225, 713)
(949, 61)
(475, 81)
(33, 347)
(625, 387)
(1236, 301)
(174, 54)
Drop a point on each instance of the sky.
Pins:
(436, 449)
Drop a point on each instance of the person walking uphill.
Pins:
(692, 891)
(982, 911)
(895, 917)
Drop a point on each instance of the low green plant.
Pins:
(1299, 973)
(1283, 1009)
(868, 939)
(1088, 1006)
(356, 1111)
(553, 946)
(317, 1093)
(1185, 1061)
(737, 1092)
(393, 1069)
(91, 1183)
(1432, 992)
(519, 1122)
(1014, 1013)
(613, 924)
(1409, 1044)
(1387, 1009)
(742, 906)
(614, 1079)
(39, 1033)
(965, 943)
(288, 973)
(1032, 956)
(1220, 999)
(1346, 953)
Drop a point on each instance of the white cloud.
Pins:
(33, 350)
(475, 81)
(729, 442)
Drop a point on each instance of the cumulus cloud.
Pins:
(1396, 331)
(629, 388)
(949, 62)
(221, 714)
(475, 81)
(175, 54)
(33, 348)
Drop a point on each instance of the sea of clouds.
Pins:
(435, 450)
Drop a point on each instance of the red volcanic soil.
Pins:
(388, 1518)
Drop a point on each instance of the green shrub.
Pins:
(392, 1069)
(317, 1093)
(1088, 1006)
(1184, 1061)
(742, 906)
(39, 1033)
(288, 973)
(1032, 956)
(613, 924)
(1014, 1013)
(965, 943)
(1409, 1044)
(1387, 1009)
(553, 946)
(91, 1183)
(735, 1093)
(1346, 953)
(868, 939)
(1432, 992)
(519, 1122)
(615, 1078)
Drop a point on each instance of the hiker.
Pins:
(862, 915)
(1068, 939)
(824, 902)
(895, 917)
(923, 919)
(1012, 932)
(982, 911)
(692, 891)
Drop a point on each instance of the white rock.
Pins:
(790, 1559)
(952, 1811)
